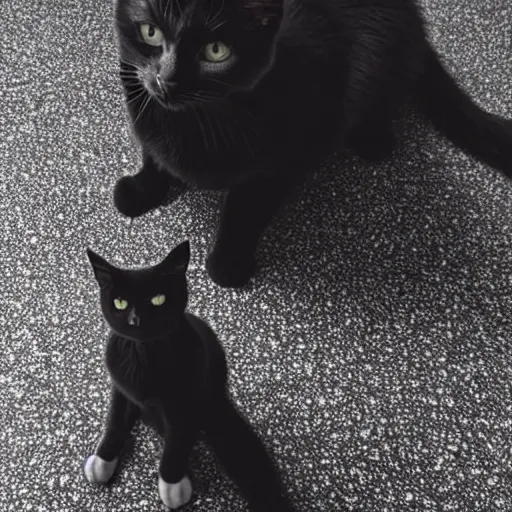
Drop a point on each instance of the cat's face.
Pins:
(145, 304)
(188, 52)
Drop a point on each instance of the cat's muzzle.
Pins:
(133, 318)
(164, 92)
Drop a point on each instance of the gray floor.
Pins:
(373, 353)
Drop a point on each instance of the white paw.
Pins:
(99, 471)
(175, 495)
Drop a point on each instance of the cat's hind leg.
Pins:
(101, 466)
(136, 195)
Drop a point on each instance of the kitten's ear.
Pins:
(178, 259)
(103, 270)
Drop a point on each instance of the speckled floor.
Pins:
(373, 353)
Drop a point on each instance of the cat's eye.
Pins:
(158, 300)
(151, 35)
(217, 52)
(120, 304)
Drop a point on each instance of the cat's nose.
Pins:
(133, 319)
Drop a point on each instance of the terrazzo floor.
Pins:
(372, 353)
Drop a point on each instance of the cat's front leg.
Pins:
(174, 485)
(147, 190)
(246, 212)
(100, 467)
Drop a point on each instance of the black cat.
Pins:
(250, 95)
(168, 367)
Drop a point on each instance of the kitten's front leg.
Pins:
(174, 485)
(151, 187)
(246, 212)
(100, 467)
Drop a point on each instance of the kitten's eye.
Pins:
(120, 304)
(217, 52)
(158, 300)
(152, 35)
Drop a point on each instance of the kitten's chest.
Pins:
(141, 373)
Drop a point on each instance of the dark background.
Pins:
(372, 353)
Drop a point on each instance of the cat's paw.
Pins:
(230, 271)
(176, 495)
(133, 200)
(99, 471)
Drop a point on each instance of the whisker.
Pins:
(129, 75)
(215, 80)
(248, 113)
(179, 7)
(217, 15)
(128, 68)
(134, 90)
(197, 96)
(240, 128)
(212, 131)
(221, 130)
(143, 107)
(165, 8)
(234, 122)
(132, 87)
(216, 27)
(200, 125)
(130, 79)
(139, 95)
(231, 132)
(248, 144)
(209, 14)
(129, 63)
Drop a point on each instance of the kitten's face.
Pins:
(187, 52)
(143, 305)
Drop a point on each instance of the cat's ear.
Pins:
(103, 270)
(178, 259)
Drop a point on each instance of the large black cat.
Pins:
(168, 367)
(250, 95)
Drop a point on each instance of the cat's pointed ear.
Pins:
(103, 270)
(178, 259)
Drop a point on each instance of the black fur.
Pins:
(309, 75)
(169, 368)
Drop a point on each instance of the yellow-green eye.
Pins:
(152, 35)
(120, 304)
(158, 300)
(217, 52)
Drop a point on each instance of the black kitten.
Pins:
(168, 367)
(250, 95)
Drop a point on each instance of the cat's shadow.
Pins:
(402, 227)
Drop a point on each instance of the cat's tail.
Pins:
(485, 136)
(245, 460)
